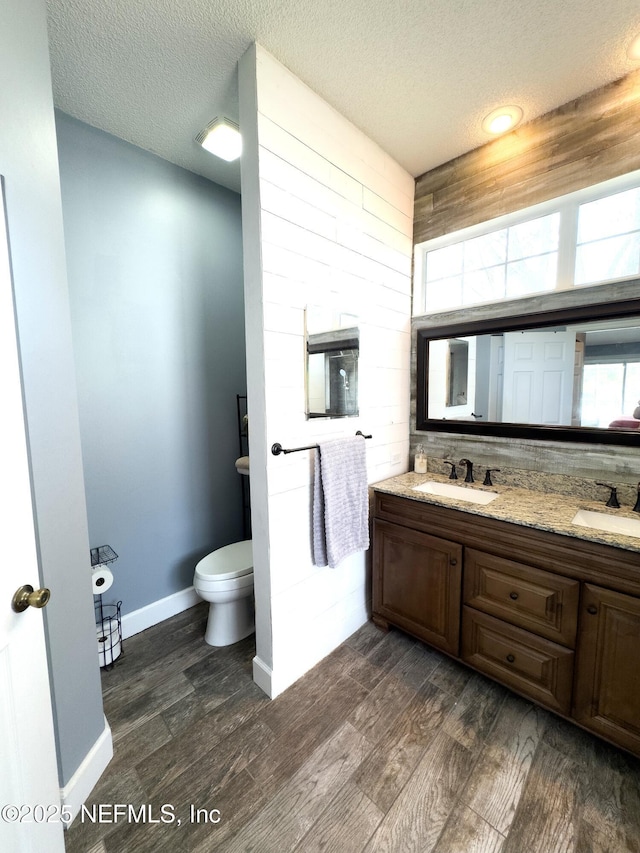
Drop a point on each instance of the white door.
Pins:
(30, 814)
(538, 377)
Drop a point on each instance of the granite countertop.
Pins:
(542, 510)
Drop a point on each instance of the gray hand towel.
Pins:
(340, 500)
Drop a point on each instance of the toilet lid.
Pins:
(232, 561)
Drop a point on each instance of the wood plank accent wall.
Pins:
(590, 139)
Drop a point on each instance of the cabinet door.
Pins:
(417, 581)
(607, 689)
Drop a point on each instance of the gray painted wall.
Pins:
(29, 164)
(154, 258)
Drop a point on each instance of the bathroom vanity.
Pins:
(517, 591)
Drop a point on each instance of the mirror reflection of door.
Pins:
(538, 377)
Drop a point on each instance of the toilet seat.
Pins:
(227, 563)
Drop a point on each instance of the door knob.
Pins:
(27, 596)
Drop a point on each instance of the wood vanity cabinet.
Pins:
(607, 683)
(418, 579)
(556, 619)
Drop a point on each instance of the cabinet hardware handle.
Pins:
(513, 595)
(511, 658)
(592, 609)
(454, 562)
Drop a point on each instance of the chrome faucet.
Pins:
(469, 475)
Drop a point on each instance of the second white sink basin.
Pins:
(606, 522)
(446, 490)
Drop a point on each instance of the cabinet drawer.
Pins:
(533, 599)
(531, 665)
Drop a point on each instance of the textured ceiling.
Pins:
(417, 76)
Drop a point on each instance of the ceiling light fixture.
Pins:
(222, 138)
(502, 119)
(633, 51)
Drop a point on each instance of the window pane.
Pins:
(485, 251)
(484, 285)
(522, 259)
(632, 388)
(616, 214)
(533, 275)
(442, 263)
(535, 237)
(601, 394)
(444, 293)
(605, 259)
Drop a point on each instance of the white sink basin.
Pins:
(460, 493)
(609, 523)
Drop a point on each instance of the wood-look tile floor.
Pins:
(386, 745)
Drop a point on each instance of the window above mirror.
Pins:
(587, 237)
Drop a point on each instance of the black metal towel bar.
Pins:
(277, 448)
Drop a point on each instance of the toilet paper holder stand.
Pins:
(108, 616)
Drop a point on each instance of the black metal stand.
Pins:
(109, 632)
(108, 616)
(243, 447)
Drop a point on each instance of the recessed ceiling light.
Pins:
(222, 138)
(501, 120)
(633, 51)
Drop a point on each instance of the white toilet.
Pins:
(225, 578)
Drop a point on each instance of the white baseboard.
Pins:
(273, 684)
(77, 790)
(275, 681)
(158, 611)
(263, 676)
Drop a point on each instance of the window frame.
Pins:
(567, 206)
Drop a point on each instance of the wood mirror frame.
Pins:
(605, 311)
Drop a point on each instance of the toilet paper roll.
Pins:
(101, 580)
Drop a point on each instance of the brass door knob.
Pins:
(27, 596)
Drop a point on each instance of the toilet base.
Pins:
(231, 621)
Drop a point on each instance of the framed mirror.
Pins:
(570, 374)
(332, 364)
